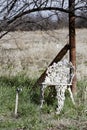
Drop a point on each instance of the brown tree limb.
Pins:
(56, 59)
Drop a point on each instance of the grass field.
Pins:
(31, 52)
(23, 57)
(30, 117)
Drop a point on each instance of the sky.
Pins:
(21, 3)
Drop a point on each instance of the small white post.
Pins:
(16, 101)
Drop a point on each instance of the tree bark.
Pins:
(72, 42)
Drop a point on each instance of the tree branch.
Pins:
(37, 10)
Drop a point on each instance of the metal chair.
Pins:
(59, 75)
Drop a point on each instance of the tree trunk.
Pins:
(72, 43)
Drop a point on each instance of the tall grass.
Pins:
(30, 117)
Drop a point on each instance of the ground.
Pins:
(31, 52)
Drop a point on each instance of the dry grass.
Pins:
(31, 52)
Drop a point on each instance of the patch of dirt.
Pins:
(74, 125)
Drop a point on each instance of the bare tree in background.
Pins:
(13, 10)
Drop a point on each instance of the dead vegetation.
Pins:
(31, 52)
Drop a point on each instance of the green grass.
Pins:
(30, 117)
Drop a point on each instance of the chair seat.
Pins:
(54, 84)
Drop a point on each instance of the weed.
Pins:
(30, 117)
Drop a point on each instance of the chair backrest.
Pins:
(60, 73)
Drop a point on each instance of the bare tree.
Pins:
(12, 10)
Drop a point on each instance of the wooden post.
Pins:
(56, 59)
(72, 43)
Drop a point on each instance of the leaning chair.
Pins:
(59, 75)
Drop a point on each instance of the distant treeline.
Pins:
(38, 22)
